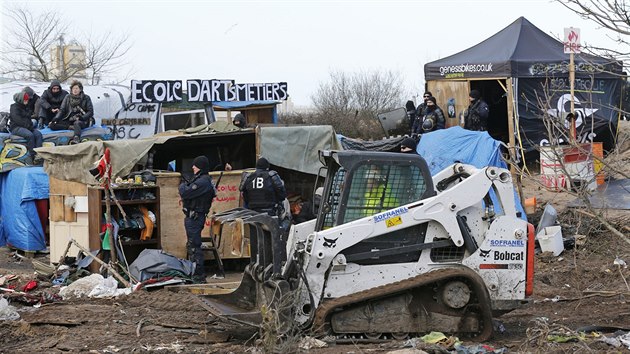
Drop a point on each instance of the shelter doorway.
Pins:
(495, 94)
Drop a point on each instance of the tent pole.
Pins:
(512, 140)
(572, 85)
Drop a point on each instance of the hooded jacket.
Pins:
(50, 100)
(85, 103)
(20, 115)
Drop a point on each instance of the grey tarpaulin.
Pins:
(73, 162)
(297, 147)
(151, 263)
(390, 144)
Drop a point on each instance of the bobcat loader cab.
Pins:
(394, 252)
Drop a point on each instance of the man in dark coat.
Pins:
(76, 110)
(433, 117)
(50, 103)
(420, 112)
(197, 195)
(263, 190)
(20, 121)
(476, 116)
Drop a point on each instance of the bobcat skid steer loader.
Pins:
(392, 253)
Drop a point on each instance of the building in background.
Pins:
(68, 61)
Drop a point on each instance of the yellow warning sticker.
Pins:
(393, 221)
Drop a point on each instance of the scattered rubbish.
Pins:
(530, 205)
(498, 326)
(60, 280)
(479, 349)
(550, 240)
(549, 218)
(93, 286)
(31, 285)
(43, 269)
(308, 343)
(7, 312)
(433, 337)
(620, 262)
(108, 288)
(7, 278)
(565, 338)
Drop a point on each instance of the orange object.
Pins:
(530, 205)
(529, 264)
(598, 152)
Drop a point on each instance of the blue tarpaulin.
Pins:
(445, 147)
(20, 225)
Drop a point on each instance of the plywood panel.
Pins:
(445, 90)
(173, 232)
(56, 208)
(171, 222)
(60, 187)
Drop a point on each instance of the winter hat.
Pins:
(28, 90)
(240, 119)
(202, 163)
(262, 163)
(475, 94)
(55, 83)
(18, 97)
(432, 99)
(409, 143)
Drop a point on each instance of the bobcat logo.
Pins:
(330, 243)
(484, 253)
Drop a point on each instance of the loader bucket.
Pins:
(257, 287)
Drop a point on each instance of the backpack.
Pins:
(4, 122)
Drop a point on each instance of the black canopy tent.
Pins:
(523, 73)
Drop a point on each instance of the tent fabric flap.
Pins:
(20, 224)
(297, 147)
(594, 101)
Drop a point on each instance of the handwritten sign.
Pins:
(572, 40)
(161, 91)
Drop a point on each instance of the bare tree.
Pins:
(30, 37)
(350, 102)
(25, 52)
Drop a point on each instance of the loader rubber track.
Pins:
(321, 320)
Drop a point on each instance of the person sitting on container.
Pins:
(21, 124)
(76, 111)
(50, 103)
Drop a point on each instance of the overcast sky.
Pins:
(300, 42)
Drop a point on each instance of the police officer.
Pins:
(197, 195)
(476, 116)
(263, 190)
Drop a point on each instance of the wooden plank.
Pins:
(56, 208)
(171, 223)
(61, 187)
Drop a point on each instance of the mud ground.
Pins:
(581, 287)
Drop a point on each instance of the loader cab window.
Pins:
(375, 188)
(330, 205)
